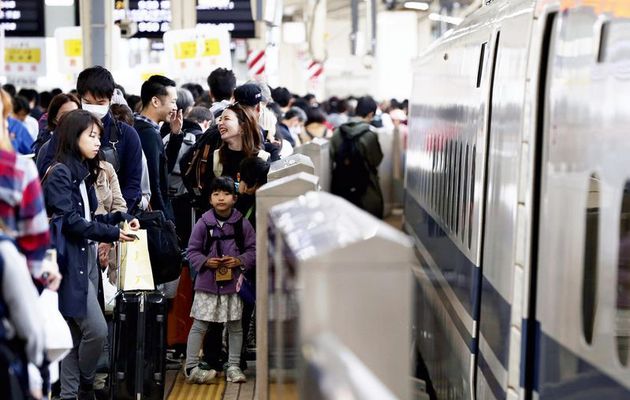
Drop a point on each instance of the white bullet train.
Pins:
(518, 195)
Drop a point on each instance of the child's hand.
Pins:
(230, 262)
(213, 263)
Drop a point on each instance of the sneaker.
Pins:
(235, 375)
(200, 375)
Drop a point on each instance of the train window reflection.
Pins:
(471, 200)
(622, 331)
(589, 278)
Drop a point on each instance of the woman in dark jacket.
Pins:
(71, 202)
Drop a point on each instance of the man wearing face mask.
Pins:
(159, 104)
(294, 120)
(120, 144)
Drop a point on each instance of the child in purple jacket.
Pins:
(222, 246)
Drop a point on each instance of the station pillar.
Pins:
(96, 25)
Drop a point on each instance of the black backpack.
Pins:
(238, 237)
(350, 173)
(196, 165)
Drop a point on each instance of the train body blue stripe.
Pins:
(461, 274)
(497, 389)
(495, 321)
(464, 282)
(564, 375)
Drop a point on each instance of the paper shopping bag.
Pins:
(135, 265)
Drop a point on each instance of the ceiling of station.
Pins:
(341, 9)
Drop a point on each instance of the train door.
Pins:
(499, 327)
(581, 326)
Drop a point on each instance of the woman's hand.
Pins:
(126, 236)
(213, 263)
(134, 224)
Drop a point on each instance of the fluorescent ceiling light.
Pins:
(445, 18)
(416, 5)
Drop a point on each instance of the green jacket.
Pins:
(369, 147)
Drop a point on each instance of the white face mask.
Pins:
(97, 110)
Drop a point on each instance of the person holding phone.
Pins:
(222, 247)
(71, 200)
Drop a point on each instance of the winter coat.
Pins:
(156, 164)
(63, 200)
(372, 199)
(197, 256)
(108, 190)
(129, 153)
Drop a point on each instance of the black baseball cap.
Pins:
(248, 94)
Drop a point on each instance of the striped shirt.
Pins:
(22, 209)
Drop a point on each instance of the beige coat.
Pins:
(108, 192)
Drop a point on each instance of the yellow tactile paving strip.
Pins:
(185, 391)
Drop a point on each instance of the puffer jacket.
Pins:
(197, 255)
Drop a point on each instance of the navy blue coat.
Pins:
(64, 201)
(129, 154)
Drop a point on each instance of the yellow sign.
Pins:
(73, 47)
(211, 47)
(28, 56)
(186, 50)
(146, 75)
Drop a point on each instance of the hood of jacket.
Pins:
(354, 128)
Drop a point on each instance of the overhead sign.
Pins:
(69, 49)
(193, 53)
(24, 57)
(153, 18)
(22, 18)
(234, 15)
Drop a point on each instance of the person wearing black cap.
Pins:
(251, 95)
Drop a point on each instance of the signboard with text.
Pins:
(69, 49)
(153, 18)
(193, 53)
(22, 18)
(24, 57)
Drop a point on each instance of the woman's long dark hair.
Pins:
(68, 132)
(55, 104)
(252, 141)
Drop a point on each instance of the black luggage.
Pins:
(139, 347)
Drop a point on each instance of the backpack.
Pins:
(238, 237)
(194, 164)
(176, 185)
(109, 152)
(350, 176)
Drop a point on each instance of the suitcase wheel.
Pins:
(159, 318)
(120, 375)
(157, 377)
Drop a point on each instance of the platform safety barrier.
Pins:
(276, 191)
(318, 150)
(333, 269)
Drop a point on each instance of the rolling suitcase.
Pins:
(179, 320)
(138, 365)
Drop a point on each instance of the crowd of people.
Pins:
(74, 166)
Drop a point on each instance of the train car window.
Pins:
(482, 55)
(589, 277)
(603, 40)
(460, 166)
(472, 195)
(451, 184)
(464, 209)
(622, 320)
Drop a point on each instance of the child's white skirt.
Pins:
(217, 308)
